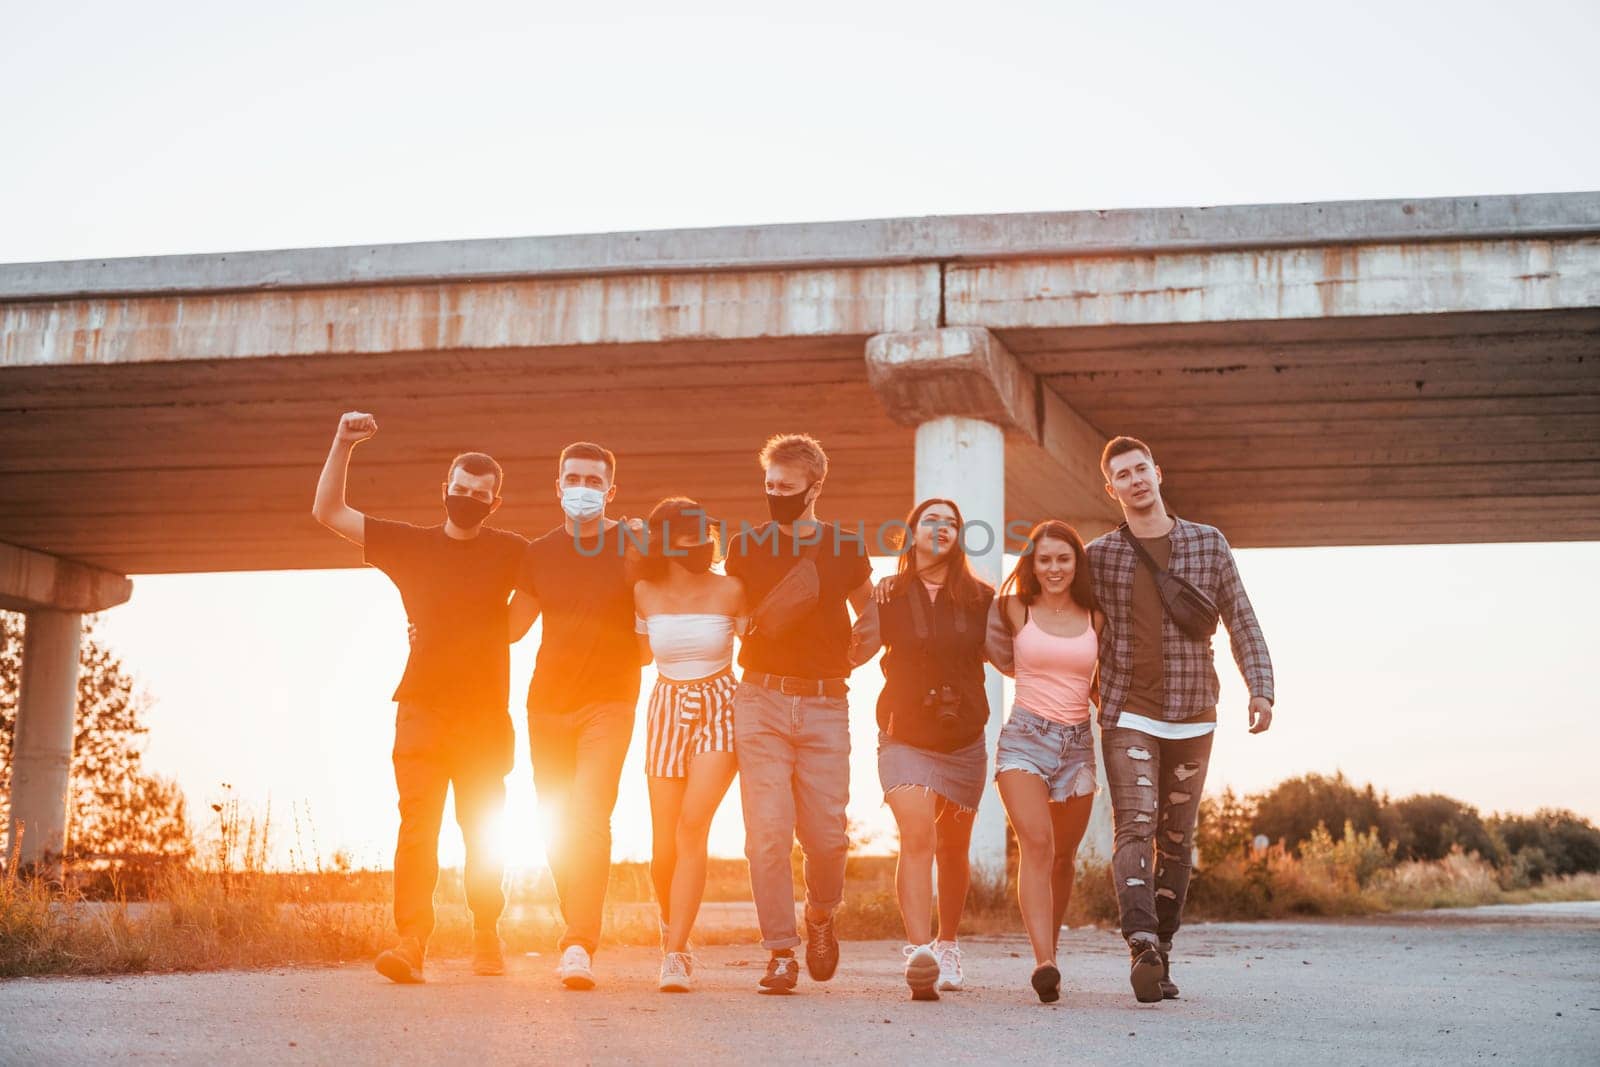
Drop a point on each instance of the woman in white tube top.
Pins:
(687, 617)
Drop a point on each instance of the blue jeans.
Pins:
(794, 781)
(1062, 754)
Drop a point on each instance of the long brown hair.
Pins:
(966, 588)
(671, 517)
(1023, 583)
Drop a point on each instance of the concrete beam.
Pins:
(31, 580)
(827, 244)
(41, 755)
(967, 372)
(457, 316)
(1360, 281)
(1052, 466)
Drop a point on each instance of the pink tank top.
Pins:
(1053, 673)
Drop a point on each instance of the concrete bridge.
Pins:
(1379, 372)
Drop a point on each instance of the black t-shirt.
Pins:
(1147, 689)
(588, 654)
(913, 665)
(818, 644)
(455, 593)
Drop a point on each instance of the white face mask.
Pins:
(583, 504)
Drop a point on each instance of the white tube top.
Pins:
(687, 646)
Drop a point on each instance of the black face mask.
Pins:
(466, 512)
(786, 509)
(696, 559)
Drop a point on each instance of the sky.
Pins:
(171, 128)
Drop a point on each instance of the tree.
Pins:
(1429, 825)
(1293, 808)
(121, 819)
(1549, 842)
(1224, 827)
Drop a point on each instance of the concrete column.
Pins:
(983, 419)
(41, 753)
(964, 459)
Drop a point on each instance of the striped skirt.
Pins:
(686, 719)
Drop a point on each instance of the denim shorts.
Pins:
(1062, 755)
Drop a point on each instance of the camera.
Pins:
(945, 703)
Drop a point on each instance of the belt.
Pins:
(799, 687)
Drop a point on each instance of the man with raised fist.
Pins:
(452, 727)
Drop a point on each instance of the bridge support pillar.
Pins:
(53, 594)
(41, 750)
(969, 398)
(963, 391)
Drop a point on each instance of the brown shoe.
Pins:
(488, 954)
(1169, 989)
(822, 947)
(403, 963)
(1145, 973)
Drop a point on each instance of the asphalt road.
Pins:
(1520, 985)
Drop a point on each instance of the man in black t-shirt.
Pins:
(452, 728)
(791, 729)
(584, 689)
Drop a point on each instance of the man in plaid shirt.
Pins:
(1158, 701)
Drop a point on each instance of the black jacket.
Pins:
(942, 651)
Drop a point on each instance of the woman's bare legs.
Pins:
(1027, 800)
(710, 774)
(1069, 819)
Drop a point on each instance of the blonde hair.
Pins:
(798, 448)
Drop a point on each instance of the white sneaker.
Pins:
(949, 955)
(922, 972)
(677, 970)
(575, 970)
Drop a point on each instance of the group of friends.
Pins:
(1122, 625)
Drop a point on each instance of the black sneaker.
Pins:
(1145, 974)
(1047, 983)
(822, 948)
(403, 963)
(783, 974)
(1169, 990)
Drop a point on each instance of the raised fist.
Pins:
(356, 426)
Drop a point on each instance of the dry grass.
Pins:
(231, 912)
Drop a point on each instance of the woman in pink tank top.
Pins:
(1044, 631)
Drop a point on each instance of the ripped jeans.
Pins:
(1155, 795)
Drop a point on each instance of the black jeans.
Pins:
(435, 750)
(1155, 797)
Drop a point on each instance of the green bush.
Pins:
(1292, 809)
(1431, 826)
(1350, 862)
(1550, 842)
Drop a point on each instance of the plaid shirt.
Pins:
(1200, 554)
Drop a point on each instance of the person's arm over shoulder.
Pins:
(733, 560)
(857, 568)
(641, 629)
(1244, 630)
(524, 608)
(998, 639)
(866, 636)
